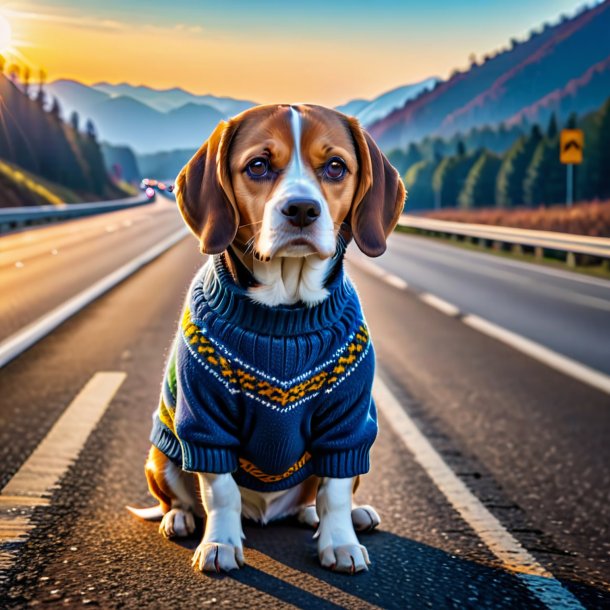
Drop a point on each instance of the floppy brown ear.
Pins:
(379, 197)
(204, 193)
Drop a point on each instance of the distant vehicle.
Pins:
(150, 185)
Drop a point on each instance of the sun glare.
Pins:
(6, 34)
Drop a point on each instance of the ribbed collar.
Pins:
(231, 302)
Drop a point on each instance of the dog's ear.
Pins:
(379, 197)
(204, 193)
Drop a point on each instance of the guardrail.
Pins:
(540, 241)
(14, 218)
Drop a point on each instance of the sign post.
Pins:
(570, 153)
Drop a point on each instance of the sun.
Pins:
(6, 34)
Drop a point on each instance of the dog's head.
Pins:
(281, 180)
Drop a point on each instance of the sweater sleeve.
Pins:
(344, 427)
(206, 417)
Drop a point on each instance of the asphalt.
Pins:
(562, 310)
(528, 441)
(40, 269)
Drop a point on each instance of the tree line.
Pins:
(34, 137)
(506, 167)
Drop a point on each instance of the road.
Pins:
(528, 441)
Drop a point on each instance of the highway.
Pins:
(526, 441)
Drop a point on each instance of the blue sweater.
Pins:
(272, 395)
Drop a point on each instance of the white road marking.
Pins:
(535, 350)
(443, 306)
(33, 484)
(377, 271)
(26, 337)
(566, 365)
(525, 266)
(539, 581)
(527, 282)
(394, 280)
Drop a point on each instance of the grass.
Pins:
(20, 187)
(600, 271)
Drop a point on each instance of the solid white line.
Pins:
(539, 581)
(557, 361)
(566, 365)
(26, 337)
(440, 304)
(39, 475)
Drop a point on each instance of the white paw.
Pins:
(177, 523)
(348, 558)
(309, 516)
(218, 557)
(365, 518)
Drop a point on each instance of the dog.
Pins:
(266, 405)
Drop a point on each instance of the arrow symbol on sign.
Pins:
(572, 144)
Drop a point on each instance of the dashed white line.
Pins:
(16, 344)
(539, 581)
(443, 306)
(33, 484)
(535, 350)
(395, 281)
(543, 354)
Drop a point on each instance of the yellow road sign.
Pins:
(571, 145)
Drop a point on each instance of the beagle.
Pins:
(266, 405)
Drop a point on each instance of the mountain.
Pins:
(505, 84)
(580, 95)
(58, 158)
(125, 121)
(353, 106)
(165, 100)
(370, 111)
(164, 165)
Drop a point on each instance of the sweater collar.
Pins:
(228, 300)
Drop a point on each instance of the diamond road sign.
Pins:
(571, 145)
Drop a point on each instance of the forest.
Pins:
(506, 167)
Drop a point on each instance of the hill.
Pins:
(370, 111)
(504, 85)
(165, 100)
(35, 139)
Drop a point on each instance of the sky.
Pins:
(268, 51)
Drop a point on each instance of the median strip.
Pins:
(16, 344)
(538, 580)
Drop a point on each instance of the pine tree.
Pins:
(418, 181)
(449, 177)
(602, 154)
(480, 185)
(511, 176)
(74, 120)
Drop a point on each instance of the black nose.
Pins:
(301, 212)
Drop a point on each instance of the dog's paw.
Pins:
(348, 558)
(365, 518)
(218, 557)
(308, 515)
(177, 523)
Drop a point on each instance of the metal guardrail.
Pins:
(540, 240)
(13, 218)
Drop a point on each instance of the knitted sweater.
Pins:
(271, 394)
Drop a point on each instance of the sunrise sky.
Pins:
(268, 50)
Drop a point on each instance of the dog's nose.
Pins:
(301, 212)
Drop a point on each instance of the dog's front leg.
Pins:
(338, 546)
(221, 548)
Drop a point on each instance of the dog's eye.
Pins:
(258, 168)
(335, 169)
